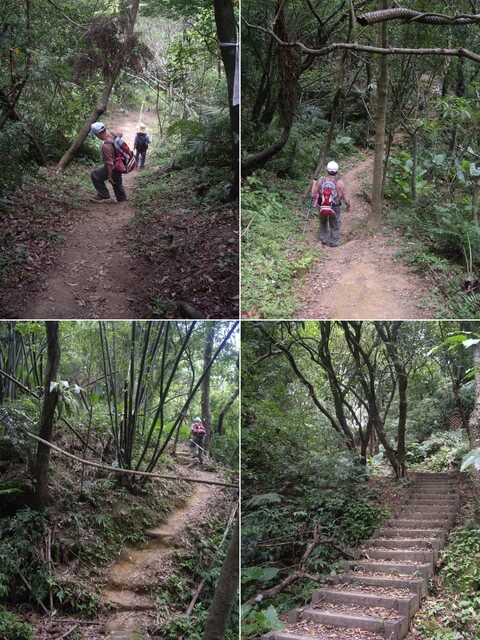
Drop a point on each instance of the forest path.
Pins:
(360, 279)
(382, 589)
(138, 570)
(95, 275)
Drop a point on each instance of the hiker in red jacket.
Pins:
(107, 172)
(328, 194)
(197, 438)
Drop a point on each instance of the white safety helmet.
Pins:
(98, 127)
(197, 420)
(332, 167)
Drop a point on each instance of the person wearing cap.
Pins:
(330, 225)
(197, 438)
(140, 146)
(106, 173)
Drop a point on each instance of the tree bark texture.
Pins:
(102, 103)
(474, 425)
(227, 33)
(225, 593)
(205, 389)
(382, 97)
(50, 400)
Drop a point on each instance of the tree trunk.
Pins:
(475, 193)
(109, 84)
(38, 153)
(50, 399)
(225, 593)
(414, 138)
(223, 412)
(205, 389)
(474, 426)
(229, 47)
(382, 96)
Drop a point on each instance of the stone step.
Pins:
(445, 521)
(286, 635)
(125, 600)
(418, 586)
(433, 502)
(401, 554)
(159, 534)
(406, 543)
(428, 508)
(392, 629)
(405, 606)
(414, 523)
(391, 532)
(417, 569)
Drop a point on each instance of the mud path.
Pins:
(95, 275)
(361, 279)
(138, 570)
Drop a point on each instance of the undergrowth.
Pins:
(274, 251)
(453, 610)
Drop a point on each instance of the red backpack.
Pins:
(327, 196)
(124, 156)
(199, 429)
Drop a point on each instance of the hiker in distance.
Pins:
(197, 438)
(107, 172)
(328, 193)
(140, 146)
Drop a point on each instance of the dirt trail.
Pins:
(361, 279)
(95, 276)
(140, 569)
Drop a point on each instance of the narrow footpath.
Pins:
(95, 275)
(361, 279)
(138, 571)
(380, 592)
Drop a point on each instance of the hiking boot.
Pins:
(98, 198)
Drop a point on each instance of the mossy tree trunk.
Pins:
(50, 399)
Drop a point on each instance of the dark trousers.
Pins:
(330, 228)
(197, 451)
(140, 155)
(99, 178)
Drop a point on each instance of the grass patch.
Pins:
(275, 253)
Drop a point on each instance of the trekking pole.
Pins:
(309, 211)
(197, 445)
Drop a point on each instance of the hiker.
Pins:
(140, 146)
(107, 172)
(328, 194)
(197, 437)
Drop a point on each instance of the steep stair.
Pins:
(381, 590)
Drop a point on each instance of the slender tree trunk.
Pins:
(225, 593)
(474, 426)
(109, 84)
(414, 138)
(205, 389)
(13, 114)
(475, 194)
(223, 412)
(382, 97)
(50, 399)
(227, 35)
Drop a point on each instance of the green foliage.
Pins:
(461, 562)
(256, 621)
(275, 254)
(440, 452)
(454, 613)
(11, 628)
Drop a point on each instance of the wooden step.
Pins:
(418, 586)
(405, 606)
(400, 554)
(417, 569)
(394, 629)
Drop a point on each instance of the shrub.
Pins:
(11, 628)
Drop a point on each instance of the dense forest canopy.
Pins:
(96, 450)
(64, 63)
(326, 81)
(337, 417)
